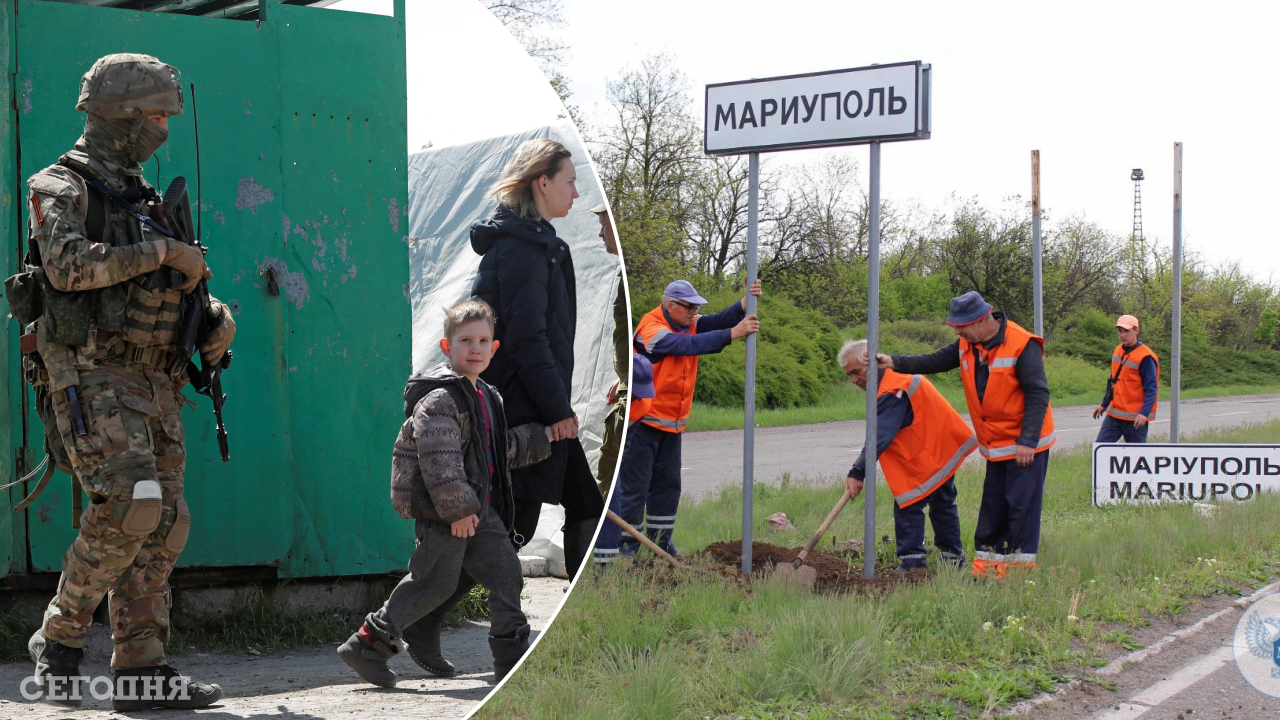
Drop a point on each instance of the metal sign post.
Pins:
(749, 405)
(1037, 250)
(858, 106)
(873, 375)
(1176, 331)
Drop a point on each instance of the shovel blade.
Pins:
(804, 576)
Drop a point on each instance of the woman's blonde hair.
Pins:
(533, 159)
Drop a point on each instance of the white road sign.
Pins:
(838, 107)
(1160, 473)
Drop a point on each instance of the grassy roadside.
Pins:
(627, 646)
(846, 402)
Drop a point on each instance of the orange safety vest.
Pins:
(673, 375)
(925, 454)
(1126, 392)
(998, 417)
(639, 407)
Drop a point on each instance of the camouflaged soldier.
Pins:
(108, 386)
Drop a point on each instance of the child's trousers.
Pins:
(433, 575)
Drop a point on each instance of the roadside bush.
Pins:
(795, 363)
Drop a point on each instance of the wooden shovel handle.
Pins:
(641, 537)
(826, 524)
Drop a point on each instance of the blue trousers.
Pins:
(1009, 518)
(908, 528)
(1112, 430)
(647, 493)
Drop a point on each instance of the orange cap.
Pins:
(1128, 322)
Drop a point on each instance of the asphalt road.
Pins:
(1194, 677)
(712, 460)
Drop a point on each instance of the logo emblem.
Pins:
(1257, 645)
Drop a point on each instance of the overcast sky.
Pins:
(468, 78)
(1099, 88)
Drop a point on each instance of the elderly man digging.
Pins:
(920, 441)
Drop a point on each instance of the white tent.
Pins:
(448, 191)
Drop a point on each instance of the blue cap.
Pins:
(641, 377)
(683, 290)
(968, 308)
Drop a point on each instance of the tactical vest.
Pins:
(146, 311)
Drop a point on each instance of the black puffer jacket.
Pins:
(526, 275)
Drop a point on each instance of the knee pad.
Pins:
(143, 516)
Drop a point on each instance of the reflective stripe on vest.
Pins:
(674, 376)
(997, 417)
(1127, 395)
(664, 422)
(1008, 451)
(925, 454)
(939, 477)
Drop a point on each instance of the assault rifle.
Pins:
(198, 317)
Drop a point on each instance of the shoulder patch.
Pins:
(55, 181)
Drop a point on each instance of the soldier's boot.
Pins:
(507, 652)
(365, 653)
(423, 639)
(577, 544)
(160, 686)
(57, 672)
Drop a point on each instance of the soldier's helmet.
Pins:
(130, 85)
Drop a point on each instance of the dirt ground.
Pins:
(836, 573)
(309, 682)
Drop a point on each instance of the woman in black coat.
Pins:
(526, 275)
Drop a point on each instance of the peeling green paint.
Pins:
(287, 107)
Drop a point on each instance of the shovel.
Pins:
(797, 571)
(643, 540)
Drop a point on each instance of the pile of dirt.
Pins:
(835, 574)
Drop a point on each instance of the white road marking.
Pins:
(1184, 678)
(1242, 412)
(1154, 695)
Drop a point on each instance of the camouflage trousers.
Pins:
(127, 546)
(615, 425)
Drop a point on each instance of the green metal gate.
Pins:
(302, 172)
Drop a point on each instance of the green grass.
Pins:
(634, 644)
(14, 634)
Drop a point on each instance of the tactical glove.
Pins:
(219, 338)
(188, 261)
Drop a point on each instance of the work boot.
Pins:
(578, 538)
(423, 639)
(507, 652)
(57, 672)
(368, 656)
(160, 686)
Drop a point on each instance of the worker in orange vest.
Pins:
(921, 442)
(1131, 398)
(642, 392)
(671, 337)
(1002, 370)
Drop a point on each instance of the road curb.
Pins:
(1115, 666)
